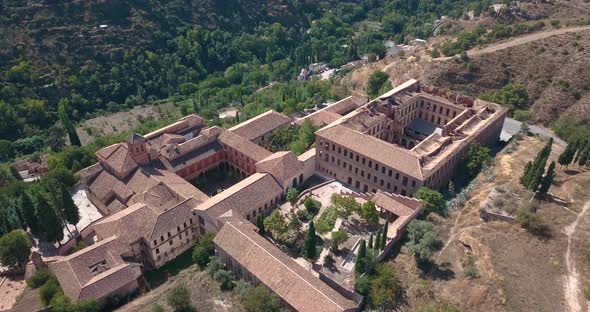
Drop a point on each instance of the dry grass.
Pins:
(517, 271)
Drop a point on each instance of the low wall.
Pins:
(345, 292)
(490, 216)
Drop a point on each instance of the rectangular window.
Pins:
(390, 172)
(157, 250)
(405, 181)
(397, 175)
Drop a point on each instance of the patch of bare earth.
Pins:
(517, 271)
(121, 122)
(205, 294)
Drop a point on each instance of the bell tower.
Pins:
(138, 148)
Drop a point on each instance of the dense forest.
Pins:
(69, 61)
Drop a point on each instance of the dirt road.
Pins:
(571, 283)
(518, 41)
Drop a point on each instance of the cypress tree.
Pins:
(260, 224)
(584, 155)
(51, 229)
(29, 215)
(361, 258)
(384, 238)
(525, 178)
(534, 175)
(70, 210)
(377, 243)
(548, 179)
(309, 246)
(567, 156)
(371, 241)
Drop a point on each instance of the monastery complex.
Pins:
(412, 136)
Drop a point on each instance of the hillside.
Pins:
(553, 69)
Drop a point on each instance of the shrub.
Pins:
(362, 285)
(49, 290)
(470, 272)
(312, 206)
(326, 220)
(179, 298)
(328, 260)
(225, 279)
(39, 278)
(214, 266)
(532, 223)
(204, 250)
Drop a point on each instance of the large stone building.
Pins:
(411, 136)
(414, 135)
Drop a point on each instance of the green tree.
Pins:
(179, 299)
(15, 249)
(204, 249)
(584, 155)
(369, 212)
(422, 240)
(276, 224)
(311, 242)
(260, 299)
(377, 81)
(292, 195)
(55, 138)
(49, 290)
(225, 280)
(51, 229)
(478, 157)
(515, 96)
(29, 214)
(386, 289)
(547, 179)
(533, 171)
(311, 205)
(260, 224)
(6, 150)
(338, 237)
(360, 265)
(566, 158)
(370, 245)
(433, 200)
(383, 240)
(62, 111)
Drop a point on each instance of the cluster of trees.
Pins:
(52, 295)
(208, 67)
(365, 258)
(297, 139)
(433, 201)
(382, 286)
(422, 240)
(378, 84)
(534, 177)
(514, 96)
(480, 35)
(577, 152)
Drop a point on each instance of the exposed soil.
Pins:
(518, 271)
(205, 294)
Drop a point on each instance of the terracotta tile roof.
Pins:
(295, 285)
(129, 225)
(105, 186)
(381, 151)
(397, 204)
(188, 123)
(331, 113)
(244, 146)
(260, 125)
(246, 195)
(117, 157)
(95, 271)
(160, 197)
(281, 165)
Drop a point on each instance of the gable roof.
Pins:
(117, 157)
(242, 145)
(252, 192)
(381, 151)
(295, 285)
(260, 125)
(282, 165)
(95, 271)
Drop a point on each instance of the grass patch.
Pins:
(158, 277)
(326, 220)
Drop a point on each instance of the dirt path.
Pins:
(518, 41)
(571, 281)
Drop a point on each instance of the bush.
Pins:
(362, 285)
(326, 220)
(470, 272)
(179, 298)
(312, 206)
(328, 260)
(225, 279)
(204, 250)
(214, 266)
(532, 223)
(49, 290)
(39, 278)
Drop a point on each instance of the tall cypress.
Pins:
(384, 238)
(260, 224)
(51, 227)
(565, 159)
(547, 179)
(371, 241)
(310, 244)
(29, 214)
(70, 210)
(361, 256)
(584, 155)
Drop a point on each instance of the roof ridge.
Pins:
(288, 268)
